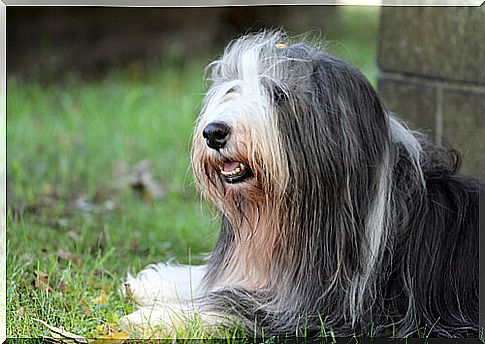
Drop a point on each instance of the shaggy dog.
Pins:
(334, 215)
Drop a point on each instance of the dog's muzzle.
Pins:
(216, 135)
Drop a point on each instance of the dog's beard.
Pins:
(245, 205)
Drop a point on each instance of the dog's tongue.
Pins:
(230, 166)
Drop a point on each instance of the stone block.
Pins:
(412, 101)
(463, 110)
(445, 42)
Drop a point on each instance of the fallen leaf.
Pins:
(20, 312)
(101, 300)
(62, 287)
(41, 281)
(66, 255)
(105, 329)
(140, 178)
(117, 335)
(58, 333)
(100, 195)
(108, 331)
(128, 291)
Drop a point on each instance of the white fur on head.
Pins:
(237, 97)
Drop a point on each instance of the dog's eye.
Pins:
(234, 89)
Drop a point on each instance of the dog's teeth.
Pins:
(234, 172)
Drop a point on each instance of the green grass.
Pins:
(71, 232)
(63, 141)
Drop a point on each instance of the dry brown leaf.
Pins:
(58, 333)
(20, 312)
(62, 287)
(128, 291)
(66, 255)
(41, 281)
(140, 178)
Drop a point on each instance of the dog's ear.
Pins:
(346, 94)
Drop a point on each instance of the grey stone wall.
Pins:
(430, 62)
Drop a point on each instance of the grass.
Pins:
(74, 229)
(64, 143)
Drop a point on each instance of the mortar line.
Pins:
(438, 124)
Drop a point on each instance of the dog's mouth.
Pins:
(234, 172)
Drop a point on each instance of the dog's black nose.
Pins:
(216, 134)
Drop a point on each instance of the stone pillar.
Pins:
(430, 60)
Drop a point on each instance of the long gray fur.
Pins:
(378, 231)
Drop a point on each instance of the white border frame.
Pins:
(139, 3)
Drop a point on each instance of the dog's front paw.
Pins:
(142, 293)
(163, 283)
(151, 322)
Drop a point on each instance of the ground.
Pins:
(99, 184)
